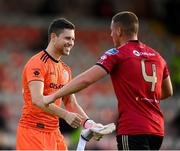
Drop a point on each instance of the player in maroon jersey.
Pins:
(140, 79)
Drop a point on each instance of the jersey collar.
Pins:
(133, 41)
(51, 57)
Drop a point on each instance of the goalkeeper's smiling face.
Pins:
(64, 42)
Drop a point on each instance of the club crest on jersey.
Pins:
(103, 57)
(65, 76)
(111, 51)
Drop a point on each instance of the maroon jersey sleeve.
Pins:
(108, 59)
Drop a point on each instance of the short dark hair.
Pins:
(58, 25)
(128, 22)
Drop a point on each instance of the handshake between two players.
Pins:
(91, 129)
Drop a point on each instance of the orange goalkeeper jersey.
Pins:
(55, 74)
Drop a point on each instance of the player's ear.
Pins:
(119, 31)
(53, 37)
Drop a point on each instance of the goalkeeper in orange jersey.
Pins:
(44, 74)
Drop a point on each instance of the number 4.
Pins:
(153, 78)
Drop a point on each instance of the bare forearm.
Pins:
(73, 86)
(51, 109)
(167, 89)
(72, 119)
(80, 111)
(78, 83)
(38, 99)
(165, 96)
(82, 81)
(72, 105)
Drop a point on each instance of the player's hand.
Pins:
(88, 123)
(97, 131)
(100, 130)
(73, 119)
(87, 133)
(48, 99)
(96, 135)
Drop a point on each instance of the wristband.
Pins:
(85, 122)
(88, 123)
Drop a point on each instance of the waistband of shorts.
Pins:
(39, 126)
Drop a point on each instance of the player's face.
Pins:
(115, 34)
(65, 41)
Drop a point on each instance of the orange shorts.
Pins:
(33, 139)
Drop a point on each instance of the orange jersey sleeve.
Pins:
(35, 70)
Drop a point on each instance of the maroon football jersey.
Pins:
(137, 72)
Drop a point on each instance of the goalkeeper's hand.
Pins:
(106, 129)
(90, 124)
(95, 130)
(86, 133)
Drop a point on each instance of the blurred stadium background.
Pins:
(23, 32)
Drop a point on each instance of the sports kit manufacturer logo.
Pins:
(36, 72)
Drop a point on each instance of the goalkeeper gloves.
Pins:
(88, 123)
(96, 130)
(86, 133)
